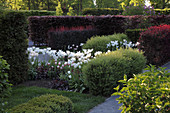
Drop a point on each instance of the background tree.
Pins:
(160, 3)
(129, 2)
(59, 10)
(107, 3)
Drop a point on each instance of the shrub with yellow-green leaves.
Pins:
(104, 72)
(99, 43)
(50, 103)
(148, 92)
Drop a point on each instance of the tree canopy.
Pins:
(77, 5)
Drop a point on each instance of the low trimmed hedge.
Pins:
(99, 43)
(104, 72)
(38, 12)
(50, 103)
(134, 34)
(165, 11)
(101, 11)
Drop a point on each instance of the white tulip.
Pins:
(68, 72)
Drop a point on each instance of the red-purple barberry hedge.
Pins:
(105, 25)
(155, 42)
(39, 26)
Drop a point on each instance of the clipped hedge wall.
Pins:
(13, 44)
(61, 39)
(50, 103)
(39, 26)
(104, 72)
(101, 11)
(99, 43)
(139, 21)
(134, 34)
(107, 25)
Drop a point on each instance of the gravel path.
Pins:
(109, 106)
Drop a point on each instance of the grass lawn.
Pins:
(82, 102)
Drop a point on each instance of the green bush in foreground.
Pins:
(50, 103)
(146, 93)
(99, 43)
(5, 87)
(104, 72)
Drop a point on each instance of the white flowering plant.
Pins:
(61, 64)
(114, 45)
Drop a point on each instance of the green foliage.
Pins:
(13, 44)
(165, 11)
(49, 103)
(4, 83)
(99, 43)
(70, 11)
(160, 3)
(101, 11)
(146, 93)
(125, 3)
(138, 10)
(104, 72)
(134, 34)
(38, 12)
(5, 87)
(107, 3)
(82, 102)
(59, 10)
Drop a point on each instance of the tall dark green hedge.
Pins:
(13, 44)
(61, 40)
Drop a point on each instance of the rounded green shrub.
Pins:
(146, 93)
(99, 43)
(50, 103)
(104, 72)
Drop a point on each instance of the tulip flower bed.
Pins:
(64, 67)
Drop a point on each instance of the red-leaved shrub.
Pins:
(155, 42)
